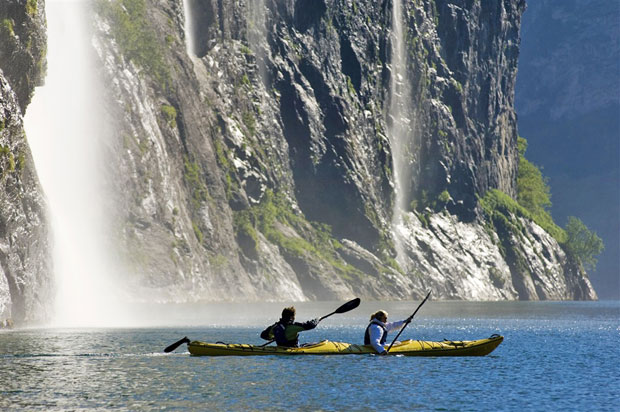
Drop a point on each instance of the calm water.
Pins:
(555, 356)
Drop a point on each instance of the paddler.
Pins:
(377, 331)
(286, 331)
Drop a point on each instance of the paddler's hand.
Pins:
(312, 323)
(408, 320)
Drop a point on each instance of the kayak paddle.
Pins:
(176, 345)
(350, 305)
(408, 321)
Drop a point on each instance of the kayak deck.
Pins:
(479, 347)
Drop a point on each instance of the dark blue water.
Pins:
(555, 356)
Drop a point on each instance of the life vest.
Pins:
(367, 333)
(287, 334)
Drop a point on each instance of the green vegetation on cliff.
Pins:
(271, 216)
(192, 176)
(274, 209)
(137, 39)
(170, 115)
(8, 27)
(7, 161)
(583, 243)
(533, 199)
(533, 203)
(31, 7)
(534, 194)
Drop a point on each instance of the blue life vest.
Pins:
(367, 333)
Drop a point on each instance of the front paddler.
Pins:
(286, 331)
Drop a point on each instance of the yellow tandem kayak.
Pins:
(479, 347)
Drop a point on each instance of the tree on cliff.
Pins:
(583, 243)
(534, 194)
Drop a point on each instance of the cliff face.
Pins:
(23, 48)
(254, 153)
(25, 265)
(257, 162)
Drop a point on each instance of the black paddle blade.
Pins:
(176, 345)
(348, 306)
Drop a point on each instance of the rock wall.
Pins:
(25, 257)
(258, 164)
(23, 47)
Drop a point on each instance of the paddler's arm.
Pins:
(311, 324)
(267, 334)
(390, 326)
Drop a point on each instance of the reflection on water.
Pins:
(556, 355)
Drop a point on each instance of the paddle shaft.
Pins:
(326, 316)
(407, 322)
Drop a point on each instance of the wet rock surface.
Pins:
(285, 101)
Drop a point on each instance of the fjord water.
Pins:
(555, 356)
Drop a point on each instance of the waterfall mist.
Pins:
(66, 127)
(400, 125)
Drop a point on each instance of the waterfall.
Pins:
(190, 42)
(400, 127)
(65, 125)
(257, 36)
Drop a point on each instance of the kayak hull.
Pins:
(479, 347)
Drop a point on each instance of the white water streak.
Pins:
(400, 125)
(190, 42)
(65, 127)
(257, 35)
